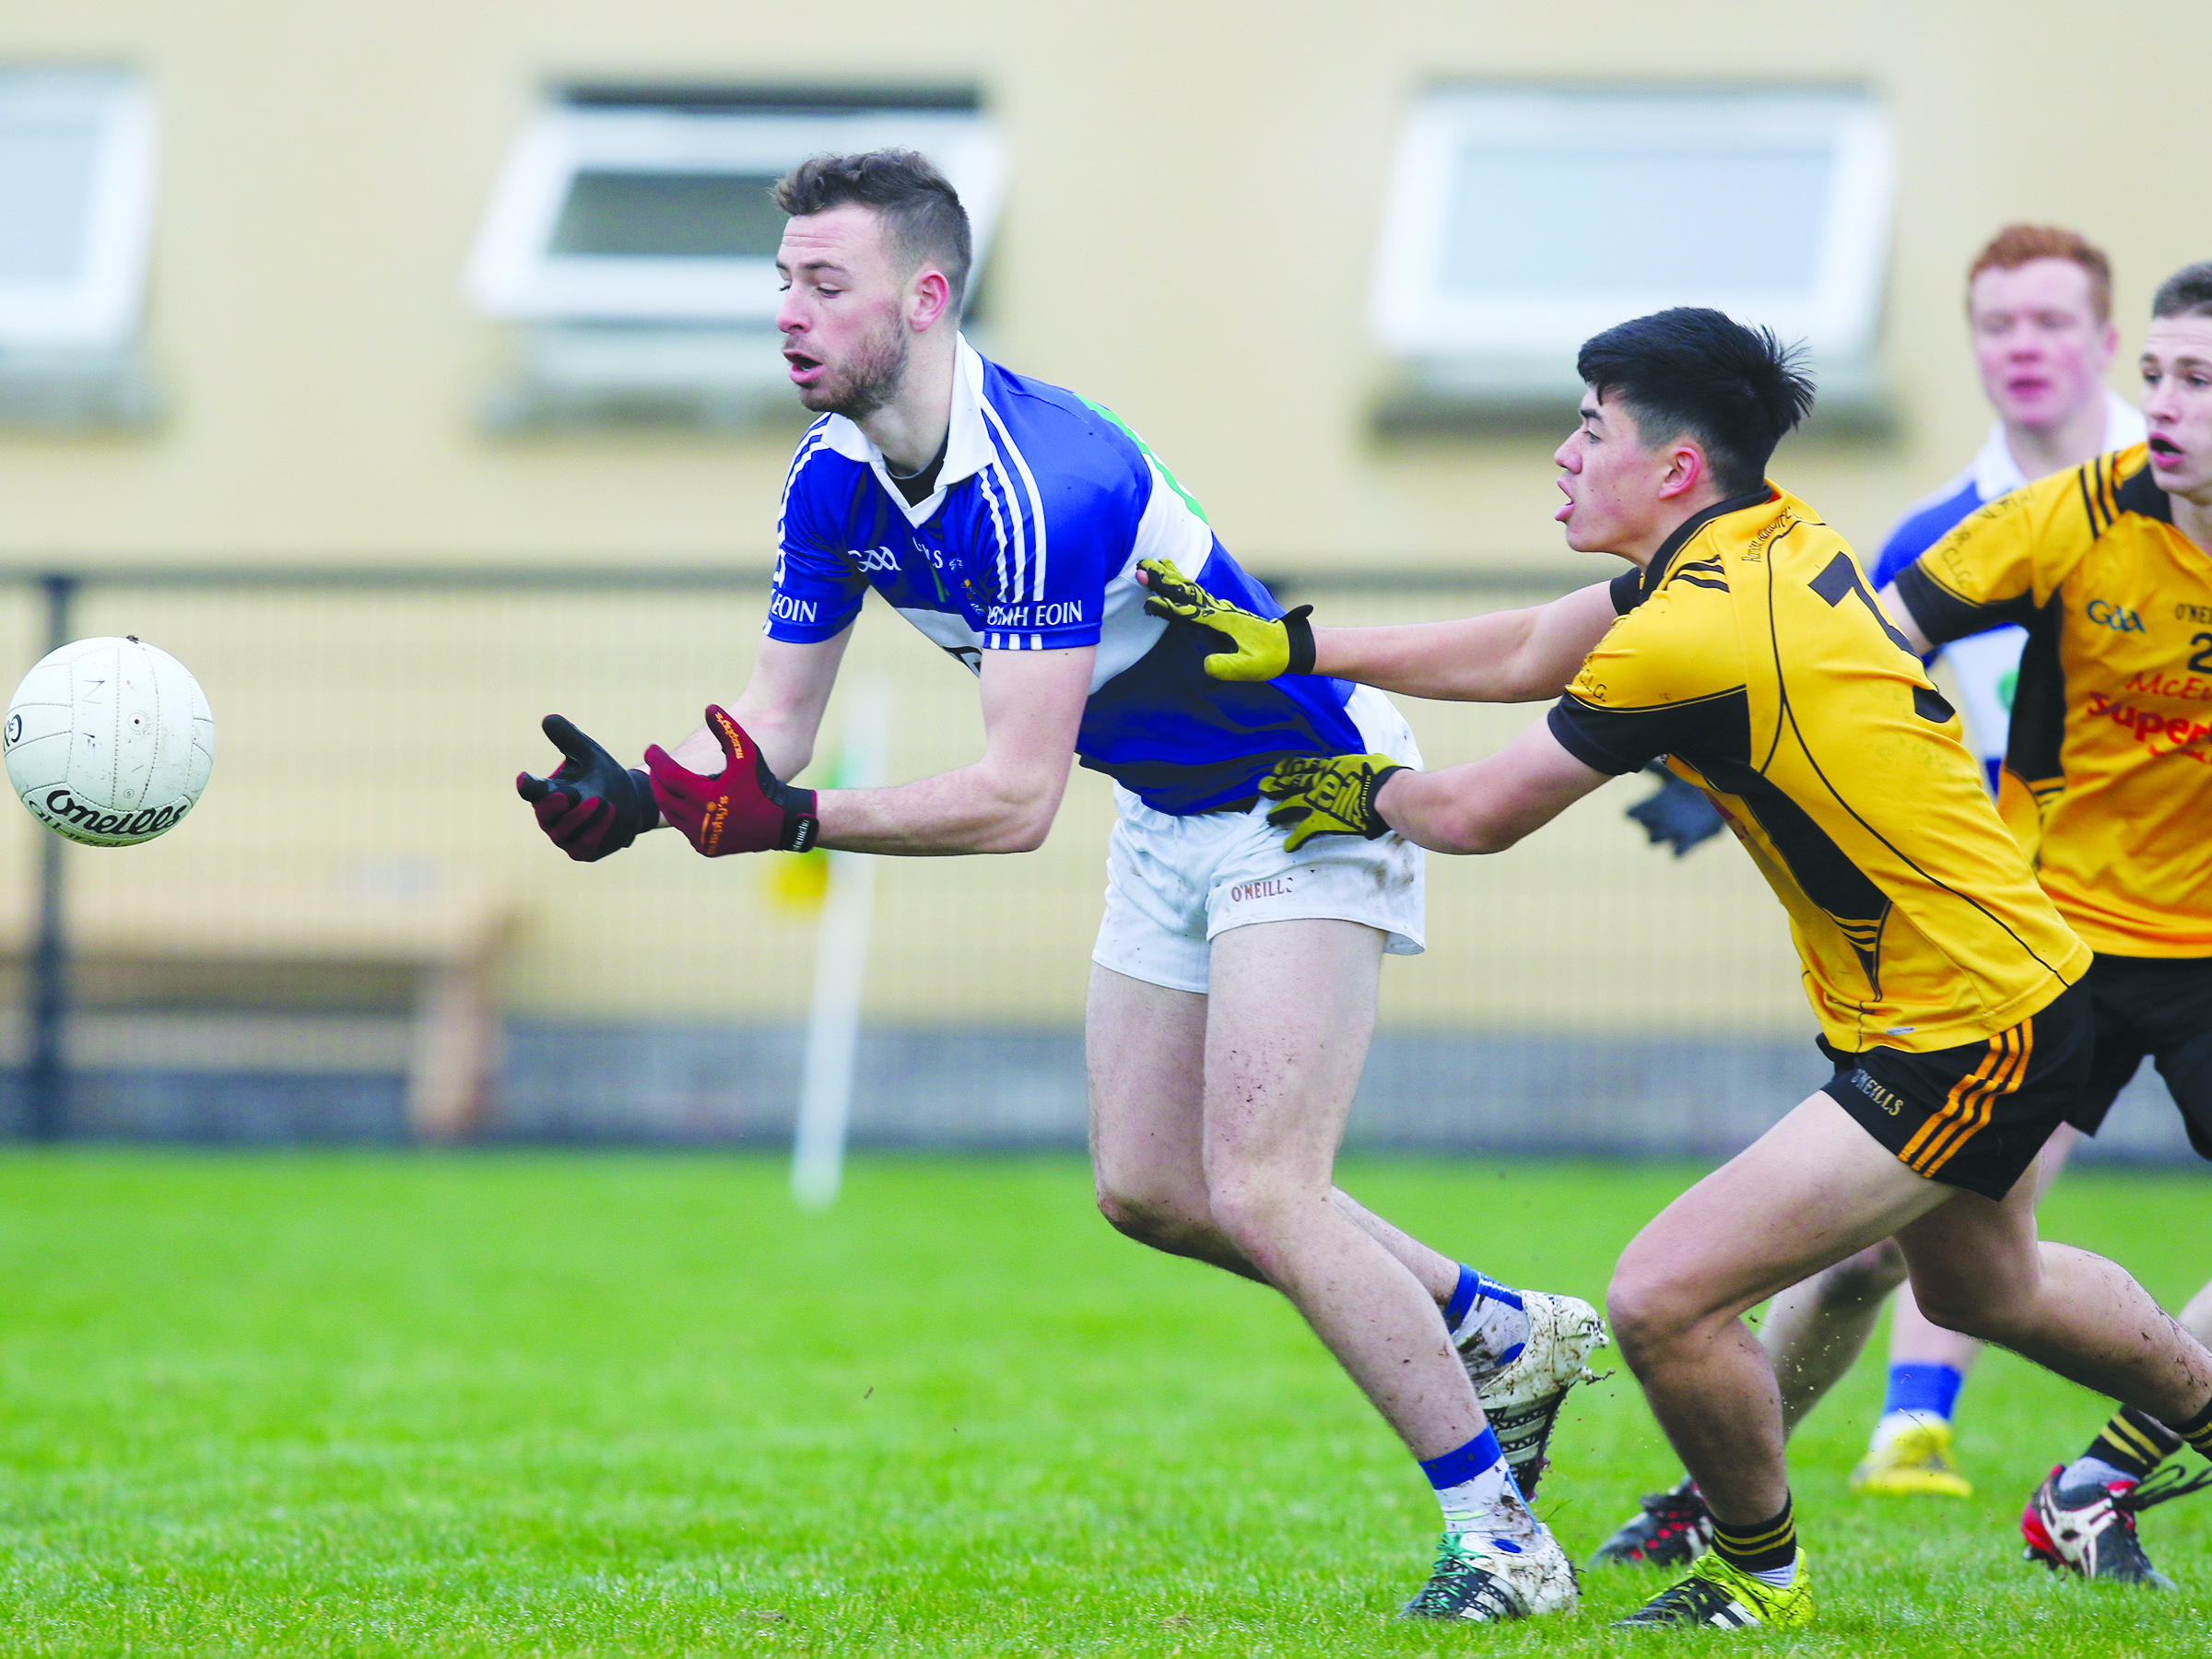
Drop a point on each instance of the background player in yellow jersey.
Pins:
(1750, 652)
(2108, 781)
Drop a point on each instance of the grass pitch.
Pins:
(553, 1404)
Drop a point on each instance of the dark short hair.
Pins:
(917, 204)
(2186, 293)
(2015, 245)
(1736, 390)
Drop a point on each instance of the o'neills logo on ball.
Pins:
(65, 812)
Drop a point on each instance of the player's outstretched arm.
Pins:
(1485, 807)
(1901, 614)
(1508, 656)
(1032, 704)
(781, 707)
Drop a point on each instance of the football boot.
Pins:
(2090, 1529)
(1523, 1398)
(1671, 1529)
(1915, 1461)
(1492, 1580)
(1718, 1595)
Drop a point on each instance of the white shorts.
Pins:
(1172, 883)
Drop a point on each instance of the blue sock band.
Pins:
(1930, 1388)
(1474, 1286)
(1457, 1468)
(1463, 1296)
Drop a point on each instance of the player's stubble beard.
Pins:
(868, 383)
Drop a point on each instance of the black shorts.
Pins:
(2156, 1006)
(1974, 1117)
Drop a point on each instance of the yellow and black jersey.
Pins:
(1753, 656)
(2108, 770)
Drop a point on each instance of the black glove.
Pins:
(591, 806)
(1677, 813)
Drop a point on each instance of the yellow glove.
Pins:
(1259, 649)
(1324, 795)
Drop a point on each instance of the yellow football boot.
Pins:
(1915, 1461)
(1716, 1594)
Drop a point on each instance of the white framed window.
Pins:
(76, 202)
(1520, 221)
(646, 206)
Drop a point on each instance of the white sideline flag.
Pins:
(840, 969)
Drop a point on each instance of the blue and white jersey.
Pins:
(1043, 508)
(1984, 666)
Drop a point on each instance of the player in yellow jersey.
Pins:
(2039, 308)
(1750, 652)
(2108, 781)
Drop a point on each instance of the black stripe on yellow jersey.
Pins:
(2108, 771)
(1751, 654)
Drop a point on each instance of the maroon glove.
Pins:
(591, 806)
(742, 808)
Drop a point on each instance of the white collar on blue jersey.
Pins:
(1996, 473)
(967, 448)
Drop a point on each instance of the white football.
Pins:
(109, 742)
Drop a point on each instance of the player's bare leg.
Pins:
(1222, 1150)
(1146, 1053)
(1214, 1124)
(1148, 1105)
(1813, 1189)
(1812, 1335)
(1915, 1339)
(2196, 1315)
(1814, 1330)
(1525, 1350)
(1293, 1006)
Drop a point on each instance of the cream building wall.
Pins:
(1188, 238)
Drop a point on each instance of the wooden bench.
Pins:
(356, 992)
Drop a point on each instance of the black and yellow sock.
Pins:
(2133, 1442)
(1770, 1547)
(2197, 1430)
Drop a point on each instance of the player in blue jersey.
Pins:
(1234, 985)
(2039, 303)
(2039, 309)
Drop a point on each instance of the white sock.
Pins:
(1484, 1499)
(1486, 1507)
(1493, 1333)
(1781, 1578)
(2093, 1471)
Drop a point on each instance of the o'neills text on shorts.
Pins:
(1889, 1099)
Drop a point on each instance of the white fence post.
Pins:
(840, 970)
